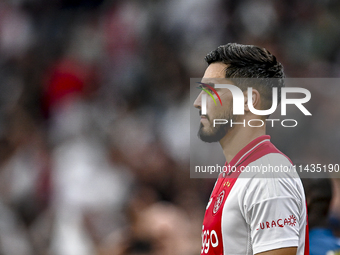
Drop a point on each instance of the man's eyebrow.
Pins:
(210, 87)
(206, 84)
(210, 84)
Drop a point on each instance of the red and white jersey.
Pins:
(249, 213)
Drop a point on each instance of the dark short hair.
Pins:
(249, 61)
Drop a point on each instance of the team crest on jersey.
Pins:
(218, 202)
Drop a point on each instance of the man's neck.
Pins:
(237, 138)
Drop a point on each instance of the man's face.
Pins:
(214, 74)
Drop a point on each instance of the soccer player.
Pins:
(249, 213)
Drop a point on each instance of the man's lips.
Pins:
(204, 117)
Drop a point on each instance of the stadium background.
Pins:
(94, 109)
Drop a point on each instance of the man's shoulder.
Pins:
(261, 159)
(268, 159)
(267, 153)
(272, 159)
(270, 168)
(272, 165)
(270, 151)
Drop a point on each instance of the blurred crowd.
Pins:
(94, 110)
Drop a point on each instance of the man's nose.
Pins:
(198, 101)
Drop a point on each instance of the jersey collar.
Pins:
(248, 149)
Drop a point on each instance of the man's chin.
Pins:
(212, 136)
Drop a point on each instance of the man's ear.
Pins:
(255, 96)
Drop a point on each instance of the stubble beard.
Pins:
(215, 134)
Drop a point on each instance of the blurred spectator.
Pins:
(319, 196)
